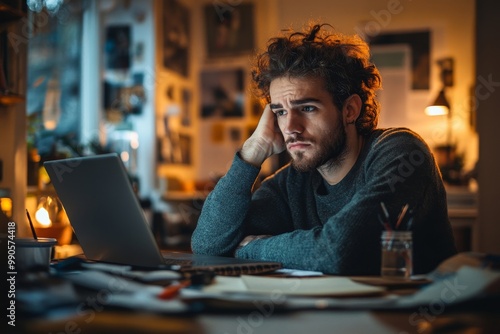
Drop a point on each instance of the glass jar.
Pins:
(397, 249)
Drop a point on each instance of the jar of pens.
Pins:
(397, 245)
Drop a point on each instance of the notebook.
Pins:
(111, 226)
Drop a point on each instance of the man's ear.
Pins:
(352, 108)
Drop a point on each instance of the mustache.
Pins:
(295, 139)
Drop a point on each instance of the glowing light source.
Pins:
(42, 217)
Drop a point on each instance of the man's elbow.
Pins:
(208, 248)
(204, 248)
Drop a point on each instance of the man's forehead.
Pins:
(296, 88)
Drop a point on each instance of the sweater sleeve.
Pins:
(398, 169)
(223, 220)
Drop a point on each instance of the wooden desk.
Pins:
(327, 321)
(91, 314)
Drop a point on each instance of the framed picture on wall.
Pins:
(222, 93)
(175, 36)
(173, 143)
(419, 43)
(229, 29)
(117, 47)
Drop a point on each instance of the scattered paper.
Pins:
(314, 286)
(298, 273)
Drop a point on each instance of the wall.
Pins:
(140, 16)
(452, 35)
(208, 160)
(488, 101)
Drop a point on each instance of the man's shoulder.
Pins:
(395, 133)
(396, 137)
(395, 143)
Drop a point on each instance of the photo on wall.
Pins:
(117, 47)
(176, 36)
(222, 93)
(173, 146)
(229, 30)
(419, 44)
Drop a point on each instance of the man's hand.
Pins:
(265, 141)
(249, 239)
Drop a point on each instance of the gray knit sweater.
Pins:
(333, 229)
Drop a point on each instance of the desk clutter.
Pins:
(74, 287)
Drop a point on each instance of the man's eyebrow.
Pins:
(295, 102)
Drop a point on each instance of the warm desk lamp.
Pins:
(441, 106)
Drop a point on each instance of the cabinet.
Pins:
(13, 156)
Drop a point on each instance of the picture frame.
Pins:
(117, 47)
(173, 140)
(222, 93)
(176, 37)
(419, 43)
(229, 30)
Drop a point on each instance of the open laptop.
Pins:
(110, 224)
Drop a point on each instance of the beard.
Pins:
(330, 152)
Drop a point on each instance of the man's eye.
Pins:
(280, 112)
(308, 108)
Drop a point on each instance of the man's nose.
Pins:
(293, 124)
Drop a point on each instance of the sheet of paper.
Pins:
(226, 284)
(467, 283)
(314, 286)
(297, 273)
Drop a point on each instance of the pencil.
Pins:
(401, 215)
(172, 290)
(31, 225)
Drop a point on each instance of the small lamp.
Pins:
(441, 106)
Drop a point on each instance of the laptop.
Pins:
(111, 226)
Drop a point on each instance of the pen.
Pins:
(198, 278)
(384, 209)
(172, 290)
(401, 215)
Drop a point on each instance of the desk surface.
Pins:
(91, 314)
(327, 321)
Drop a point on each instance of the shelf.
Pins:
(10, 99)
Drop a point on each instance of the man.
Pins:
(322, 211)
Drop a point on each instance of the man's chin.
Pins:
(302, 166)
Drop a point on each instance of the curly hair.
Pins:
(342, 61)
